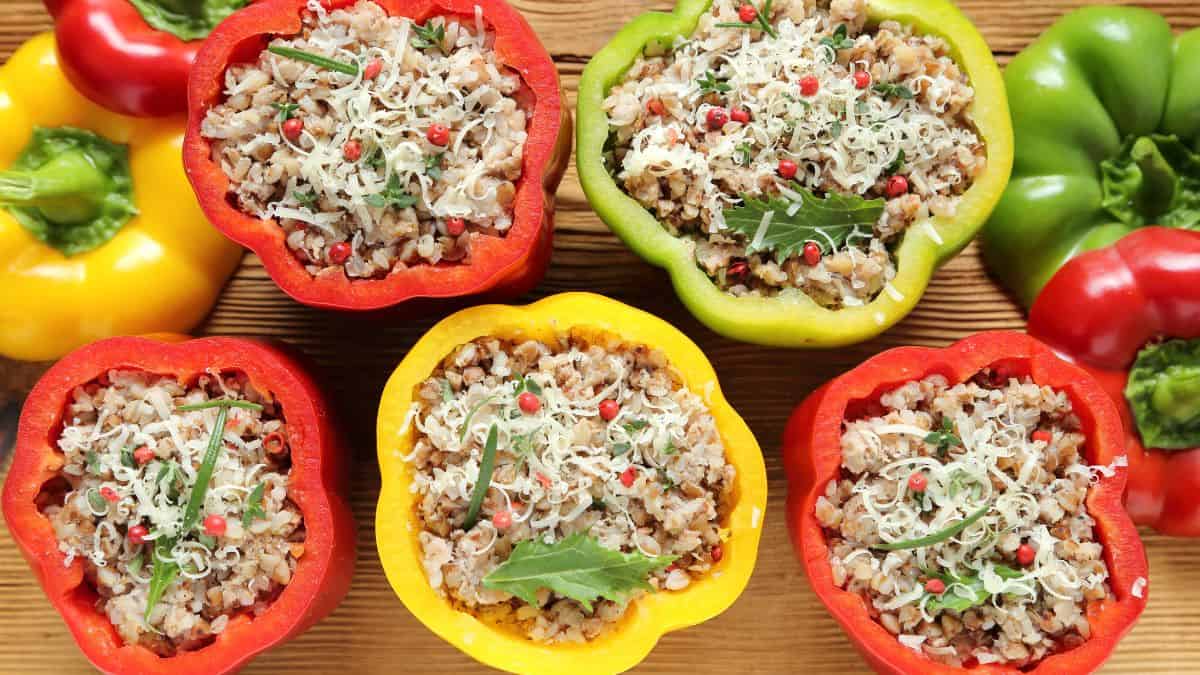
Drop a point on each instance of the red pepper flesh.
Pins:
(1099, 310)
(498, 268)
(812, 457)
(323, 572)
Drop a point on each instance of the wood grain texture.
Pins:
(777, 626)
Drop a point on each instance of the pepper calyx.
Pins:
(1164, 394)
(186, 19)
(1153, 180)
(70, 188)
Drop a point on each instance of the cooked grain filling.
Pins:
(559, 471)
(850, 106)
(406, 163)
(1018, 581)
(131, 460)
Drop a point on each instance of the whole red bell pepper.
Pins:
(1112, 309)
(323, 572)
(133, 56)
(499, 267)
(812, 456)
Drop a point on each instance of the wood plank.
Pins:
(778, 626)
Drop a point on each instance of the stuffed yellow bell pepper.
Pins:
(100, 234)
(563, 484)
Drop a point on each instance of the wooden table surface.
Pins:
(778, 625)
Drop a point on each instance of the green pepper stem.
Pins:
(1159, 181)
(1177, 394)
(68, 189)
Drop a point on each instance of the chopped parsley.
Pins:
(943, 439)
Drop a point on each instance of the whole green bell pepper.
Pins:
(1106, 111)
(796, 321)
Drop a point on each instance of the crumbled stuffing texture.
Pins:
(843, 139)
(558, 471)
(110, 490)
(1034, 489)
(313, 189)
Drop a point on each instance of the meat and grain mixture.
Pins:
(398, 165)
(604, 439)
(131, 464)
(1004, 457)
(822, 104)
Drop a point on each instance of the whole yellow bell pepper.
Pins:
(397, 524)
(100, 234)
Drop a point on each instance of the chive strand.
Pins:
(936, 537)
(487, 465)
(315, 59)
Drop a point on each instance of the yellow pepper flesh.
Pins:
(161, 272)
(648, 618)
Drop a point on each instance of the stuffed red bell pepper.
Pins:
(377, 151)
(1130, 315)
(961, 509)
(133, 56)
(180, 503)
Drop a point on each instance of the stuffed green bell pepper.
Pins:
(800, 169)
(1106, 110)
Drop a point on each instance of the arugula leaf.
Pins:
(709, 84)
(897, 164)
(487, 465)
(576, 567)
(943, 439)
(393, 195)
(127, 458)
(893, 90)
(433, 165)
(162, 573)
(285, 110)
(377, 160)
(975, 595)
(207, 541)
(619, 449)
(254, 509)
(835, 129)
(635, 425)
(429, 36)
(826, 222)
(837, 42)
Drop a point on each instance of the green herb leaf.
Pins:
(219, 403)
(92, 461)
(745, 154)
(377, 159)
(487, 464)
(392, 196)
(429, 36)
(965, 591)
(96, 501)
(307, 199)
(315, 59)
(670, 449)
(162, 573)
(433, 165)
(945, 439)
(187, 21)
(447, 391)
(838, 41)
(207, 541)
(285, 110)
(216, 441)
(835, 129)
(636, 425)
(127, 458)
(897, 164)
(762, 21)
(826, 222)
(532, 386)
(254, 509)
(134, 564)
(891, 89)
(709, 84)
(619, 449)
(576, 567)
(665, 479)
(1164, 394)
(936, 537)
